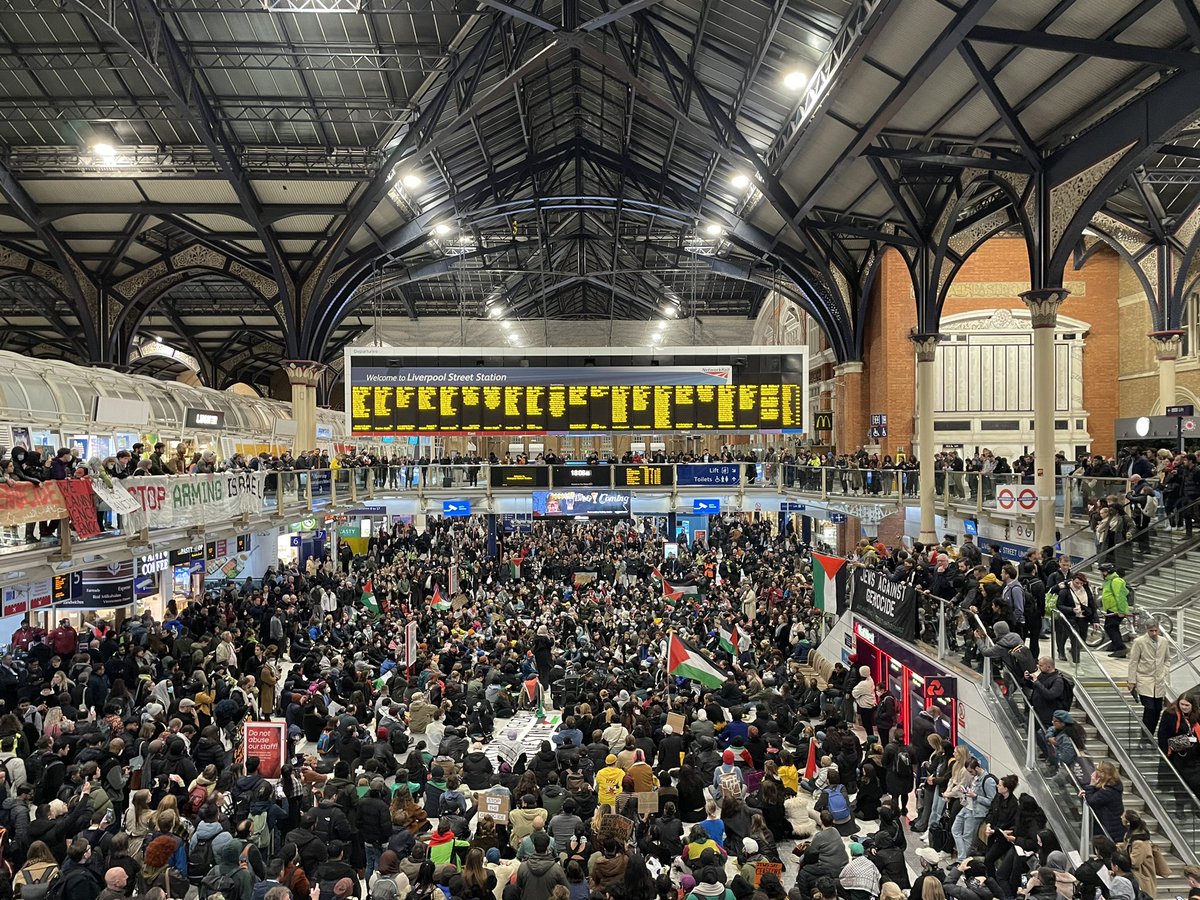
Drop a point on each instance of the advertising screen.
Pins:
(593, 504)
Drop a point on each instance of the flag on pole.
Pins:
(440, 603)
(685, 661)
(676, 591)
(731, 640)
(829, 583)
(368, 598)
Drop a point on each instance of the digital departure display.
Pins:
(519, 476)
(644, 476)
(414, 400)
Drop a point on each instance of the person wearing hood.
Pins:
(227, 860)
(420, 713)
(608, 782)
(538, 875)
(710, 885)
(387, 882)
(888, 858)
(477, 768)
(607, 865)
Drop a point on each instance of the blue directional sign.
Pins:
(792, 506)
(707, 507)
(838, 518)
(453, 509)
(696, 474)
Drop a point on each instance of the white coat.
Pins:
(1148, 666)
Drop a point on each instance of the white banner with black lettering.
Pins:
(196, 499)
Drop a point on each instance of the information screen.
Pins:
(520, 476)
(581, 476)
(386, 400)
(644, 476)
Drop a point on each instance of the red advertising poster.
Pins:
(267, 741)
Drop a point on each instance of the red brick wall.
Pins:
(890, 365)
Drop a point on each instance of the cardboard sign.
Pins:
(494, 806)
(267, 741)
(677, 722)
(618, 826)
(767, 868)
(647, 802)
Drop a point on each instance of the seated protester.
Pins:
(1088, 874)
(664, 836)
(607, 865)
(768, 800)
(520, 821)
(821, 777)
(737, 822)
(870, 793)
(445, 845)
(1042, 885)
(888, 858)
(475, 881)
(1123, 885)
(710, 885)
(859, 878)
(699, 842)
(833, 800)
(825, 855)
(477, 768)
(714, 824)
(527, 843)
(728, 772)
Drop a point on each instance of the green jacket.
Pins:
(1115, 598)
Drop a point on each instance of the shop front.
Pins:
(884, 621)
(153, 585)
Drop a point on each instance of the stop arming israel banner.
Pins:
(889, 604)
(196, 499)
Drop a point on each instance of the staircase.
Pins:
(1121, 719)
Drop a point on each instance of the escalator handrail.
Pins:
(1149, 794)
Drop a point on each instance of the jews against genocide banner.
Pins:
(267, 741)
(197, 499)
(889, 604)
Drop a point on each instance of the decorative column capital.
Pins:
(926, 345)
(1043, 306)
(304, 371)
(848, 368)
(1167, 344)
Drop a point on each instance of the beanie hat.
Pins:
(610, 760)
(727, 757)
(1001, 629)
(343, 888)
(493, 855)
(864, 671)
(749, 846)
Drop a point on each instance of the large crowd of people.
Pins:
(123, 770)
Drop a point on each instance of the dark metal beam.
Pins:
(1000, 103)
(958, 160)
(1157, 57)
(620, 12)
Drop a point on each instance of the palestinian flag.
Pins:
(440, 603)
(368, 598)
(731, 640)
(685, 661)
(829, 583)
(676, 591)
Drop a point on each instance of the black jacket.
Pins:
(374, 819)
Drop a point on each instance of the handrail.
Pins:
(1181, 656)
(1099, 556)
(1148, 793)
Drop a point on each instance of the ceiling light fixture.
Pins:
(412, 181)
(713, 229)
(496, 311)
(740, 181)
(104, 150)
(441, 229)
(795, 80)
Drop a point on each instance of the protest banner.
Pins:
(765, 867)
(81, 506)
(647, 802)
(197, 499)
(24, 501)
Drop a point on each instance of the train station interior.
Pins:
(599, 450)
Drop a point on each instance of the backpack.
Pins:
(839, 806)
(200, 859)
(260, 833)
(385, 889)
(902, 764)
(217, 882)
(39, 888)
(1068, 691)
